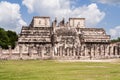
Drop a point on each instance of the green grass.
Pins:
(53, 70)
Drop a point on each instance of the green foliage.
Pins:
(116, 40)
(53, 70)
(7, 38)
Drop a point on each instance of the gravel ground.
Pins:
(105, 60)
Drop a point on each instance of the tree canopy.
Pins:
(116, 40)
(7, 38)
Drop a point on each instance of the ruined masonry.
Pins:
(64, 40)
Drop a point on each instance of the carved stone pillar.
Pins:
(42, 48)
(61, 51)
(115, 50)
(74, 51)
(107, 50)
(92, 51)
(77, 50)
(58, 51)
(0, 51)
(30, 50)
(102, 49)
(39, 50)
(85, 50)
(20, 51)
(70, 50)
(67, 51)
(10, 51)
(97, 51)
(52, 52)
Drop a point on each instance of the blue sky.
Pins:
(98, 13)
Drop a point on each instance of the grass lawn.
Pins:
(54, 70)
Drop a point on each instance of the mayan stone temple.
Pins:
(62, 40)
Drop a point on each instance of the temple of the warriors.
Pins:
(43, 39)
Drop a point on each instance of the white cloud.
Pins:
(108, 1)
(64, 8)
(115, 32)
(91, 12)
(10, 17)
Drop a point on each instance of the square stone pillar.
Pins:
(57, 51)
(0, 51)
(52, 51)
(92, 51)
(40, 50)
(10, 51)
(60, 48)
(82, 50)
(67, 51)
(30, 51)
(116, 51)
(74, 51)
(70, 50)
(86, 51)
(20, 51)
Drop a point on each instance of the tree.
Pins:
(4, 40)
(7, 38)
(116, 40)
(13, 37)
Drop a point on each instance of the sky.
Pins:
(98, 13)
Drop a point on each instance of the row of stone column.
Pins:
(61, 51)
(88, 50)
(9, 51)
(41, 50)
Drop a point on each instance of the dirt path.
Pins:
(105, 60)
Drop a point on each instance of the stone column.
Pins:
(55, 51)
(70, 50)
(0, 51)
(97, 50)
(61, 51)
(67, 51)
(58, 50)
(52, 52)
(30, 50)
(102, 50)
(42, 48)
(10, 51)
(111, 51)
(92, 50)
(77, 50)
(39, 50)
(85, 50)
(116, 50)
(74, 51)
(20, 51)
(107, 50)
